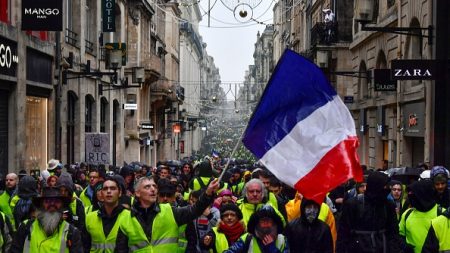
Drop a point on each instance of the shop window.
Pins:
(89, 113)
(71, 118)
(36, 133)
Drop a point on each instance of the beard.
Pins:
(49, 221)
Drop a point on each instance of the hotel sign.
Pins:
(413, 70)
(109, 15)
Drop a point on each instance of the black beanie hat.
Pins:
(231, 207)
(204, 169)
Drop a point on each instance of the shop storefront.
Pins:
(39, 90)
(8, 79)
(414, 133)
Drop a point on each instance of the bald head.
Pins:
(11, 180)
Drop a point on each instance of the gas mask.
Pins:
(311, 212)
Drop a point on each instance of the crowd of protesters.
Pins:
(182, 207)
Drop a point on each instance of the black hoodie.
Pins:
(421, 195)
(377, 188)
(308, 237)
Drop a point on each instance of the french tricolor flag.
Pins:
(302, 131)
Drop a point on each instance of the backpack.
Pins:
(21, 211)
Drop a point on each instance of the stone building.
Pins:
(27, 118)
(113, 78)
(199, 77)
(403, 126)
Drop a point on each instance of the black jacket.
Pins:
(182, 215)
(309, 238)
(368, 216)
(314, 237)
(368, 222)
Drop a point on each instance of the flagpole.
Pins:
(232, 154)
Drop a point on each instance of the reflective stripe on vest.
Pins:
(162, 241)
(280, 243)
(165, 230)
(94, 225)
(138, 246)
(39, 241)
(103, 246)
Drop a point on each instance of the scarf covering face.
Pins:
(232, 233)
(421, 195)
(377, 189)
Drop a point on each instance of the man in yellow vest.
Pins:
(87, 193)
(74, 214)
(255, 196)
(102, 225)
(10, 189)
(438, 238)
(415, 222)
(48, 232)
(154, 226)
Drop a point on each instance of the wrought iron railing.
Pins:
(71, 37)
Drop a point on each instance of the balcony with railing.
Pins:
(71, 37)
(89, 46)
(324, 33)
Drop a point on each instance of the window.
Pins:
(390, 3)
(71, 36)
(89, 113)
(71, 108)
(36, 133)
(115, 130)
(103, 114)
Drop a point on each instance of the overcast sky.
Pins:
(231, 41)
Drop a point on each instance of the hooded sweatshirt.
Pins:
(377, 190)
(304, 236)
(65, 179)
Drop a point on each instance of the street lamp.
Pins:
(138, 75)
(365, 13)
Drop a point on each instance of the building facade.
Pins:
(403, 125)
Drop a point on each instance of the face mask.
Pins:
(311, 213)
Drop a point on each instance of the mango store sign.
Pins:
(97, 148)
